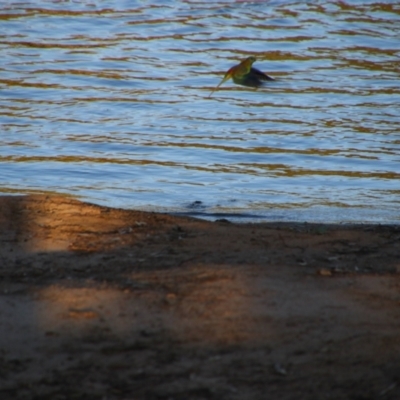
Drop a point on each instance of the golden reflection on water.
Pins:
(122, 108)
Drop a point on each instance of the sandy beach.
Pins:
(103, 304)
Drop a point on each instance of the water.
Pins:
(108, 101)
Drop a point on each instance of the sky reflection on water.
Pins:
(109, 103)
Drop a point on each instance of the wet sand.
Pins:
(101, 303)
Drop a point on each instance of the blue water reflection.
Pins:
(110, 103)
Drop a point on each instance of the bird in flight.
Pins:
(244, 74)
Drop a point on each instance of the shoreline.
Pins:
(102, 303)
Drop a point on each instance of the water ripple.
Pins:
(109, 102)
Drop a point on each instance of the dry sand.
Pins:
(100, 303)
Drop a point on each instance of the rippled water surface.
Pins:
(109, 101)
